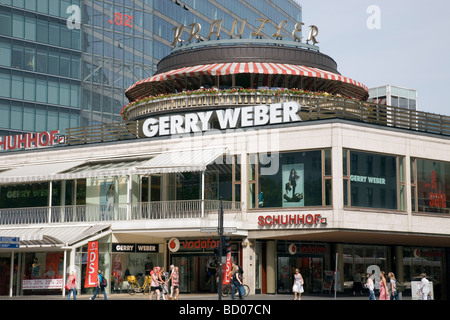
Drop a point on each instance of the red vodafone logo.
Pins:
(292, 249)
(174, 245)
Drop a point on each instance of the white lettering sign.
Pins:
(365, 179)
(250, 116)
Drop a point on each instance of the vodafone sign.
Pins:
(174, 244)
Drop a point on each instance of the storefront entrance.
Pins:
(309, 259)
(197, 264)
(311, 269)
(198, 273)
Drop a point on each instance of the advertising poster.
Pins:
(293, 185)
(92, 265)
(227, 277)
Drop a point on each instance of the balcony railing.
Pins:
(184, 209)
(312, 108)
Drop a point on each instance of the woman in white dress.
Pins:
(298, 285)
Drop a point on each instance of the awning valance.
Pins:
(218, 69)
(169, 161)
(37, 172)
(181, 161)
(52, 236)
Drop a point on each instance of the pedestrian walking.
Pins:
(171, 269)
(100, 286)
(298, 285)
(384, 291)
(370, 286)
(175, 278)
(236, 281)
(155, 285)
(163, 279)
(424, 287)
(393, 286)
(72, 285)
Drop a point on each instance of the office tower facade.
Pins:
(66, 63)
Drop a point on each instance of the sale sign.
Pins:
(92, 265)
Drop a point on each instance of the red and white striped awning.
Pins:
(218, 69)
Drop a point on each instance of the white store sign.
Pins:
(231, 118)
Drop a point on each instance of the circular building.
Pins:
(250, 66)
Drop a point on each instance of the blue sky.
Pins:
(411, 47)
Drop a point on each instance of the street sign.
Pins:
(214, 230)
(208, 230)
(9, 242)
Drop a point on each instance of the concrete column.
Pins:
(399, 263)
(271, 267)
(249, 264)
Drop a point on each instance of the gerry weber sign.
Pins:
(232, 118)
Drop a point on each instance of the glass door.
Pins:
(185, 268)
(311, 269)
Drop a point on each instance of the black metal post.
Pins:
(220, 231)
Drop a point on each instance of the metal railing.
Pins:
(313, 107)
(102, 133)
(182, 209)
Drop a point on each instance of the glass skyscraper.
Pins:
(67, 63)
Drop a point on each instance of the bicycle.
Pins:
(134, 287)
(226, 289)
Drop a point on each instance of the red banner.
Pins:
(92, 265)
(227, 277)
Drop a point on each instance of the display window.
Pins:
(429, 261)
(360, 260)
(24, 195)
(290, 179)
(132, 264)
(373, 180)
(430, 186)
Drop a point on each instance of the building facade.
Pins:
(394, 96)
(65, 64)
(308, 173)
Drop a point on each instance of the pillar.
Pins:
(271, 267)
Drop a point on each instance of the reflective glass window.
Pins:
(5, 84)
(16, 117)
(5, 112)
(433, 186)
(5, 23)
(5, 54)
(373, 180)
(291, 179)
(30, 28)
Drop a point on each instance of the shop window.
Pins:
(430, 186)
(360, 260)
(62, 193)
(374, 180)
(24, 195)
(431, 261)
(289, 180)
